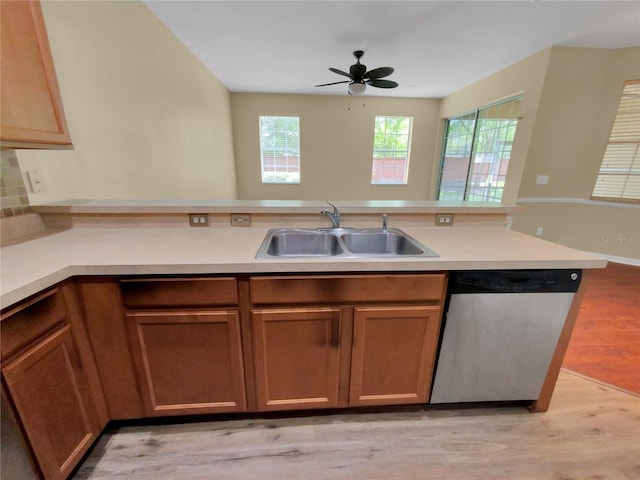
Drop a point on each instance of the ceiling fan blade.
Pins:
(332, 83)
(379, 73)
(382, 83)
(340, 72)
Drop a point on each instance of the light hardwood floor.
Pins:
(591, 431)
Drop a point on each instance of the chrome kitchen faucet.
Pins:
(333, 216)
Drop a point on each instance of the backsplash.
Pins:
(14, 199)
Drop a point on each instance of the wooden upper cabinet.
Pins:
(31, 108)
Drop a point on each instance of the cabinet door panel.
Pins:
(52, 397)
(189, 362)
(296, 358)
(31, 105)
(393, 354)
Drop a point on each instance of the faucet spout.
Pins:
(334, 216)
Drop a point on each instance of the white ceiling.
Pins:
(436, 47)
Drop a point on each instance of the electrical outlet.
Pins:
(444, 219)
(539, 231)
(198, 219)
(240, 219)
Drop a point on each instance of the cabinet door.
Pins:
(296, 357)
(188, 362)
(49, 388)
(32, 112)
(393, 354)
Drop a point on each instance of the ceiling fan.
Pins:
(360, 77)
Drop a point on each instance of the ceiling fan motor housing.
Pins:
(359, 77)
(357, 70)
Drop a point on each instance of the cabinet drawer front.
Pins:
(283, 290)
(179, 292)
(31, 320)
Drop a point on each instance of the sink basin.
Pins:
(381, 243)
(343, 243)
(307, 243)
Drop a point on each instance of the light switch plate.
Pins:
(35, 181)
(542, 179)
(240, 219)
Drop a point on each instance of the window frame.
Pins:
(475, 116)
(407, 152)
(265, 180)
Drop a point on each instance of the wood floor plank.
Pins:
(591, 431)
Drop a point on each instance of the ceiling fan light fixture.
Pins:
(357, 88)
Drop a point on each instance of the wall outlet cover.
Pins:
(198, 219)
(444, 219)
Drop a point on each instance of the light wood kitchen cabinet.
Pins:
(393, 354)
(186, 344)
(297, 357)
(31, 107)
(344, 340)
(51, 381)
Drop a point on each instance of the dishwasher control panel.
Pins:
(516, 281)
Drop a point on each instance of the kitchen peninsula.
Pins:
(136, 314)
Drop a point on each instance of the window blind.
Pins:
(619, 176)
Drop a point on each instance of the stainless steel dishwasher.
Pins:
(500, 333)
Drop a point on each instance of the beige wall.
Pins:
(578, 105)
(147, 119)
(336, 145)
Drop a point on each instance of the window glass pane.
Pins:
(619, 175)
(456, 157)
(476, 153)
(391, 145)
(494, 135)
(280, 149)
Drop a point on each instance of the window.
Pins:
(280, 149)
(619, 176)
(391, 144)
(476, 152)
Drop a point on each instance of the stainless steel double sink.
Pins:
(341, 242)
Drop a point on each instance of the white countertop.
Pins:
(30, 266)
